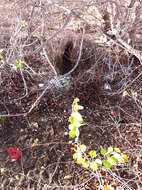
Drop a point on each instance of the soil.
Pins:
(42, 134)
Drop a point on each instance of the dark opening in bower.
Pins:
(66, 63)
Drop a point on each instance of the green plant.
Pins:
(106, 158)
(17, 64)
(3, 118)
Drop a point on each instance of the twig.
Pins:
(53, 36)
(37, 100)
(51, 65)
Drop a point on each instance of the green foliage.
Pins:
(72, 132)
(82, 148)
(107, 164)
(112, 160)
(110, 150)
(3, 118)
(93, 166)
(103, 151)
(19, 64)
(75, 119)
(92, 153)
(117, 150)
(125, 157)
(98, 162)
(85, 164)
(104, 159)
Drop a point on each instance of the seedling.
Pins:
(106, 158)
(17, 64)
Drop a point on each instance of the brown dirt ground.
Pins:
(111, 120)
(46, 165)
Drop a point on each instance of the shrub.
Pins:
(106, 158)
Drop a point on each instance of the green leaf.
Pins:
(85, 164)
(107, 164)
(76, 117)
(110, 150)
(83, 147)
(117, 150)
(80, 160)
(72, 134)
(113, 160)
(71, 119)
(72, 127)
(76, 100)
(92, 153)
(3, 118)
(78, 107)
(93, 166)
(125, 157)
(103, 151)
(75, 156)
(98, 162)
(17, 65)
(118, 157)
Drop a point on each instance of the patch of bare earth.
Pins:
(103, 74)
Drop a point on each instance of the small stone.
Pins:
(34, 124)
(66, 133)
(2, 170)
(41, 85)
(107, 86)
(68, 177)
